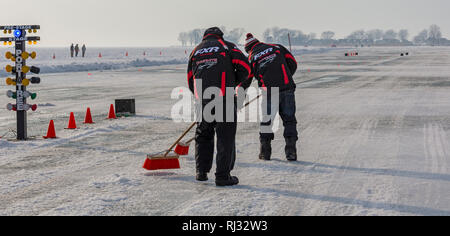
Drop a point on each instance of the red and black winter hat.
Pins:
(250, 41)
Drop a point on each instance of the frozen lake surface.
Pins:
(374, 140)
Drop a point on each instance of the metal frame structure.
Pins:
(20, 70)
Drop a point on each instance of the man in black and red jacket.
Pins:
(217, 64)
(273, 67)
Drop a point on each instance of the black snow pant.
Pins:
(226, 150)
(286, 108)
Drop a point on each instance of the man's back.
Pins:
(273, 65)
(211, 63)
(217, 63)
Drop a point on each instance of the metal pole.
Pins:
(290, 45)
(21, 100)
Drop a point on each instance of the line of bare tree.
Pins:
(195, 36)
(376, 37)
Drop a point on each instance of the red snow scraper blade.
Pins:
(182, 148)
(162, 162)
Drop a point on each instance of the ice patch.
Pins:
(114, 180)
(319, 81)
(87, 206)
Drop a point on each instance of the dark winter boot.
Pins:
(291, 149)
(265, 150)
(202, 177)
(230, 181)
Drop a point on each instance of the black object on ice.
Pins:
(125, 107)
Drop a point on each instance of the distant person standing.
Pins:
(77, 50)
(83, 50)
(72, 49)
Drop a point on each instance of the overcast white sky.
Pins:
(158, 22)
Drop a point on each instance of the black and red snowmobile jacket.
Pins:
(217, 63)
(273, 66)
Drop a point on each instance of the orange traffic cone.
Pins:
(88, 118)
(112, 113)
(72, 123)
(126, 54)
(100, 55)
(54, 56)
(51, 131)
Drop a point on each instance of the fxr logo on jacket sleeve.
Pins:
(206, 50)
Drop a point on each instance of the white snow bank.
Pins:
(58, 60)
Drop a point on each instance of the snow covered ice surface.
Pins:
(374, 140)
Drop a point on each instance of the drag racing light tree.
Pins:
(19, 70)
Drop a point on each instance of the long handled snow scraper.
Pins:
(167, 159)
(182, 148)
(170, 160)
